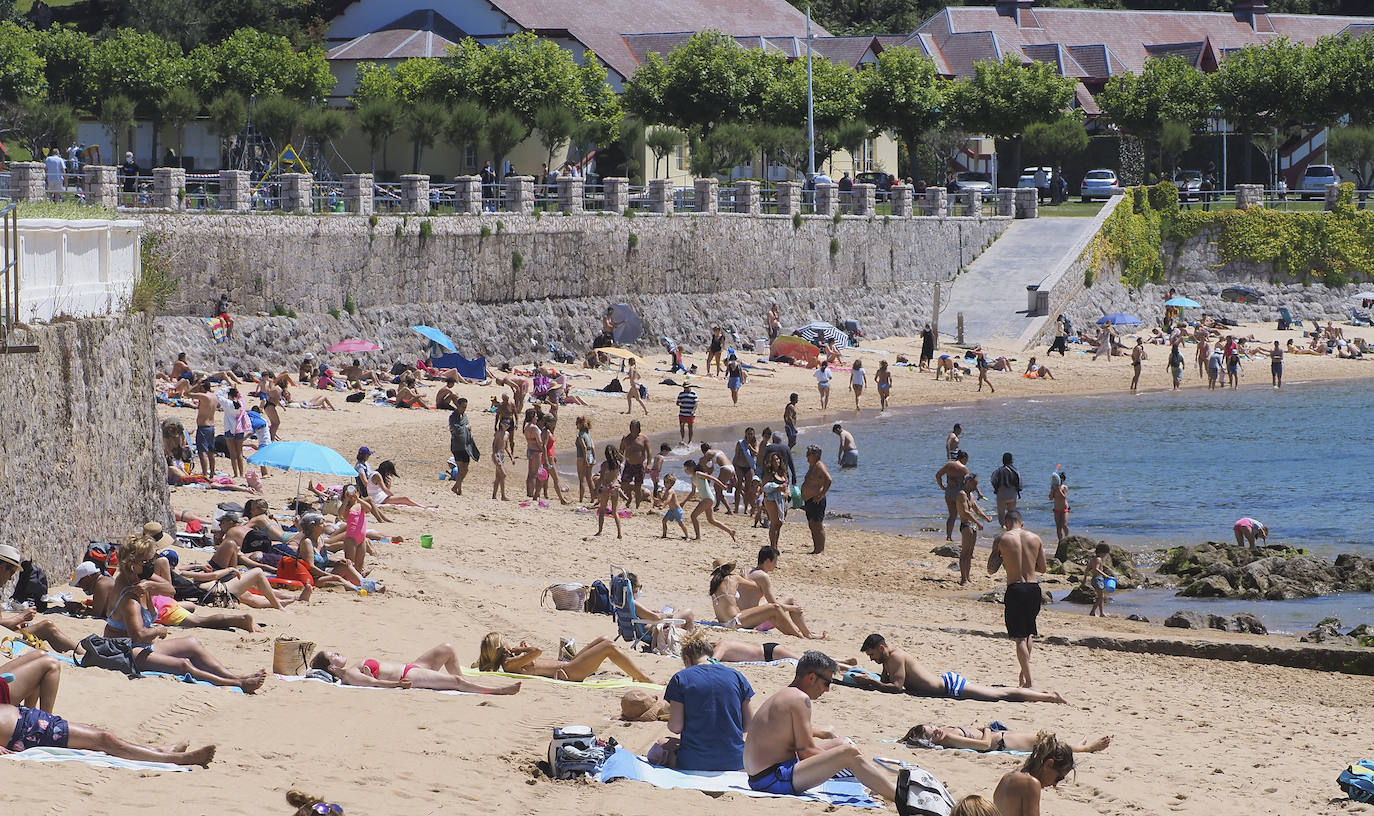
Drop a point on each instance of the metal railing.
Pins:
(9, 281)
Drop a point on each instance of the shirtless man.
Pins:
(783, 752)
(970, 513)
(761, 576)
(952, 442)
(181, 370)
(1059, 494)
(950, 478)
(848, 456)
(634, 447)
(447, 398)
(500, 442)
(815, 487)
(519, 388)
(1204, 350)
(903, 675)
(1138, 356)
(1023, 555)
(206, 403)
(789, 420)
(505, 420)
(10, 563)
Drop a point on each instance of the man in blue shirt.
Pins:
(709, 709)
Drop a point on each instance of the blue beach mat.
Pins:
(472, 369)
(625, 765)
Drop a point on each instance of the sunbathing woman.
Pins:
(725, 586)
(987, 739)
(32, 680)
(380, 488)
(525, 659)
(739, 651)
(133, 617)
(436, 669)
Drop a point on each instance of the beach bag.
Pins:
(569, 597)
(1358, 781)
(667, 640)
(573, 752)
(32, 585)
(290, 655)
(218, 595)
(920, 794)
(115, 654)
(598, 599)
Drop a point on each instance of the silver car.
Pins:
(971, 180)
(1189, 184)
(1098, 184)
(1315, 179)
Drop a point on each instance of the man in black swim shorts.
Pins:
(1023, 554)
(815, 486)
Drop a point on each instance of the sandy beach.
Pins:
(1188, 735)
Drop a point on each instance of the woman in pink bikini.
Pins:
(436, 669)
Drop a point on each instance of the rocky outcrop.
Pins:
(1243, 622)
(1328, 630)
(1072, 554)
(1272, 572)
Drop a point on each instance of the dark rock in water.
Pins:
(1138, 618)
(1075, 550)
(1081, 595)
(1186, 620)
(1251, 624)
(1273, 572)
(1328, 631)
(996, 596)
(1211, 586)
(946, 551)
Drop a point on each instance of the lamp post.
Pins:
(810, 107)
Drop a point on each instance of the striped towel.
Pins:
(219, 330)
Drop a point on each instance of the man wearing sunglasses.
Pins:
(784, 754)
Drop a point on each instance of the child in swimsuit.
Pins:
(672, 506)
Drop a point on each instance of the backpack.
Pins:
(920, 794)
(102, 554)
(1358, 781)
(32, 584)
(574, 752)
(598, 599)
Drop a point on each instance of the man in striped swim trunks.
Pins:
(903, 675)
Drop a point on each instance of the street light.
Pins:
(810, 107)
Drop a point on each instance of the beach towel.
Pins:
(219, 329)
(782, 661)
(625, 765)
(590, 682)
(93, 758)
(472, 369)
(294, 678)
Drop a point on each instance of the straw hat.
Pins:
(640, 706)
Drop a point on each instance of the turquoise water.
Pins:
(1145, 472)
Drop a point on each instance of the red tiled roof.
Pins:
(847, 50)
(418, 34)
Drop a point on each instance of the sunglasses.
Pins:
(326, 809)
(828, 681)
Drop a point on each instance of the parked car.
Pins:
(880, 180)
(1189, 184)
(1315, 179)
(972, 180)
(1099, 184)
(1028, 177)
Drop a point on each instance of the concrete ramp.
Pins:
(991, 292)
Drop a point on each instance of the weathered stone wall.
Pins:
(79, 450)
(313, 263)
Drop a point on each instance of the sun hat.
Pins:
(639, 705)
(160, 538)
(9, 555)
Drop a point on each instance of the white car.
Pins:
(1315, 179)
(1028, 177)
(971, 180)
(1098, 184)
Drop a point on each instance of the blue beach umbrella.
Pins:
(1119, 319)
(436, 336)
(1183, 302)
(302, 457)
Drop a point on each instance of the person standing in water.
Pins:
(1276, 364)
(1138, 356)
(952, 442)
(858, 378)
(849, 449)
(950, 478)
(883, 379)
(1059, 496)
(1175, 366)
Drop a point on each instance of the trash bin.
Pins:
(1033, 300)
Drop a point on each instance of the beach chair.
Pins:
(635, 631)
(1286, 319)
(1359, 318)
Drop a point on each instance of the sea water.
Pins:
(1146, 472)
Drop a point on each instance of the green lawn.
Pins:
(23, 6)
(1070, 209)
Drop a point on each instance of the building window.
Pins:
(680, 154)
(470, 157)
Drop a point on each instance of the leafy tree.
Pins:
(228, 113)
(600, 104)
(1166, 90)
(1340, 81)
(903, 94)
(937, 147)
(848, 136)
(465, 126)
(726, 146)
(258, 64)
(141, 66)
(782, 145)
(1260, 88)
(420, 79)
(177, 21)
(834, 91)
(42, 125)
(1174, 140)
(662, 141)
(1002, 98)
(278, 117)
(1352, 148)
(379, 117)
(503, 132)
(423, 122)
(555, 125)
(705, 82)
(117, 116)
(177, 108)
(375, 82)
(67, 55)
(21, 65)
(1052, 142)
(525, 74)
(323, 125)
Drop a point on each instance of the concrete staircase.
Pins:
(991, 291)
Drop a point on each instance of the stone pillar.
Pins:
(467, 195)
(973, 203)
(706, 195)
(357, 193)
(747, 197)
(864, 197)
(102, 185)
(235, 193)
(520, 195)
(1249, 195)
(789, 197)
(827, 199)
(1027, 202)
(570, 189)
(297, 189)
(1006, 201)
(415, 193)
(661, 196)
(1333, 194)
(616, 190)
(169, 188)
(901, 200)
(935, 201)
(26, 181)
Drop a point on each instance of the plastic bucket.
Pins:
(427, 541)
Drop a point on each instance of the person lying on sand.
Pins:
(739, 651)
(988, 739)
(31, 680)
(903, 675)
(436, 669)
(526, 659)
(35, 728)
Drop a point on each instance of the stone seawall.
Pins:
(529, 281)
(79, 451)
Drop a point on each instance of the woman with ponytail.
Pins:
(1018, 793)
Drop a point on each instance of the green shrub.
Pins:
(426, 229)
(500, 227)
(836, 217)
(629, 212)
(834, 247)
(796, 221)
(372, 221)
(486, 231)
(517, 261)
(1088, 277)
(633, 241)
(155, 283)
(334, 312)
(279, 310)
(398, 231)
(349, 305)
